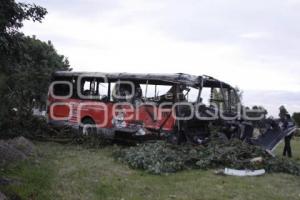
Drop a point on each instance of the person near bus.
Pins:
(285, 117)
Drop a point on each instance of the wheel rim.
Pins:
(87, 130)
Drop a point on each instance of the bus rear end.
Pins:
(61, 102)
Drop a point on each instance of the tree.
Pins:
(26, 64)
(30, 77)
(13, 14)
(296, 117)
(239, 93)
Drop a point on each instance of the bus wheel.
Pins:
(88, 127)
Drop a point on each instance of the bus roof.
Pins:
(180, 78)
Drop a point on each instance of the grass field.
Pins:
(74, 172)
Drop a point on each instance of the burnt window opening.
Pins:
(102, 91)
(123, 91)
(96, 89)
(61, 89)
(88, 87)
(191, 94)
(156, 93)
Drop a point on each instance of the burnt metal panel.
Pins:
(180, 78)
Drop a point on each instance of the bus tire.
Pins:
(87, 127)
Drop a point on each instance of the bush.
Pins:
(23, 125)
(297, 133)
(161, 157)
(296, 117)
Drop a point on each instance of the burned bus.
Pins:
(177, 107)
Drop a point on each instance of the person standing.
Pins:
(287, 151)
(285, 117)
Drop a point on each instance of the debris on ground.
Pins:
(242, 173)
(15, 150)
(162, 157)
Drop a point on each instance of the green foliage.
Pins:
(13, 14)
(30, 77)
(296, 117)
(156, 158)
(26, 65)
(35, 180)
(28, 126)
(27, 78)
(161, 157)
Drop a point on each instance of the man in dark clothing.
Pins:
(287, 151)
(285, 117)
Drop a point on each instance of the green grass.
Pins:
(73, 172)
(33, 179)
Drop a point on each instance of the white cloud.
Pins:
(254, 35)
(246, 45)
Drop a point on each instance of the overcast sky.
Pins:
(254, 45)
